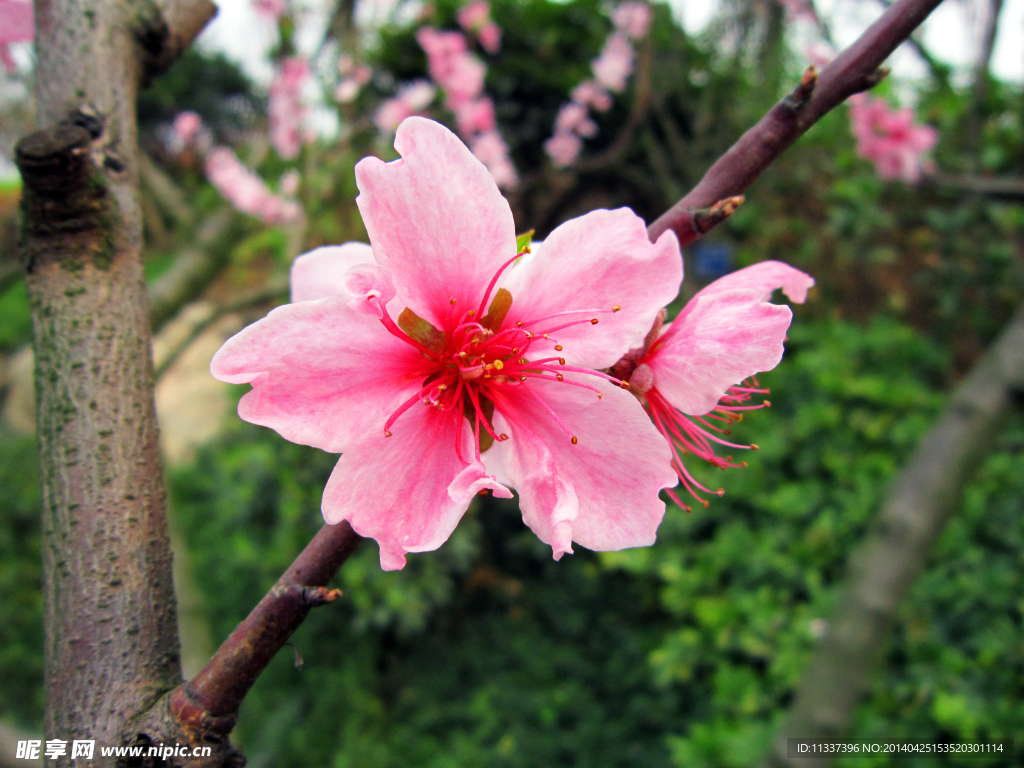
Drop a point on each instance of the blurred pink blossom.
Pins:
(270, 9)
(613, 67)
(441, 48)
(572, 117)
(411, 99)
(820, 54)
(890, 139)
(246, 191)
(632, 19)
(476, 19)
(491, 150)
(352, 83)
(286, 109)
(563, 148)
(16, 26)
(490, 37)
(593, 95)
(476, 117)
(289, 183)
(186, 127)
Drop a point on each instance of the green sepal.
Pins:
(422, 331)
(487, 408)
(523, 241)
(500, 306)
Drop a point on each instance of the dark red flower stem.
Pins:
(211, 699)
(855, 70)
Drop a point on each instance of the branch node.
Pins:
(705, 219)
(315, 596)
(803, 92)
(193, 717)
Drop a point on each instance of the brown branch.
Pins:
(204, 710)
(998, 187)
(165, 29)
(884, 567)
(855, 69)
(275, 290)
(193, 270)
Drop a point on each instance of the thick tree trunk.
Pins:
(111, 643)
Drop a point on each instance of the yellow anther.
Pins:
(767, 404)
(755, 447)
(498, 364)
(561, 361)
(451, 301)
(574, 440)
(519, 323)
(623, 385)
(521, 361)
(503, 436)
(616, 308)
(522, 378)
(599, 396)
(594, 321)
(442, 386)
(545, 335)
(558, 347)
(560, 377)
(387, 433)
(515, 350)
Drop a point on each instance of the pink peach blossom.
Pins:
(613, 67)
(490, 38)
(593, 95)
(572, 117)
(286, 109)
(474, 16)
(16, 25)
(890, 139)
(692, 375)
(246, 191)
(563, 148)
(491, 150)
(440, 362)
(186, 127)
(632, 19)
(270, 9)
(352, 83)
(413, 98)
(476, 117)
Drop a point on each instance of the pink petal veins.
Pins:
(582, 271)
(605, 487)
(322, 272)
(436, 219)
(371, 289)
(322, 374)
(397, 490)
(722, 339)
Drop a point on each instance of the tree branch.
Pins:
(884, 567)
(193, 270)
(856, 69)
(204, 710)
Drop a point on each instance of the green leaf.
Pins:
(500, 306)
(523, 241)
(422, 331)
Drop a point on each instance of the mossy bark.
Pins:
(111, 646)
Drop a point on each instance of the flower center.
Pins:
(478, 356)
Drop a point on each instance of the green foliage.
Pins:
(21, 589)
(685, 653)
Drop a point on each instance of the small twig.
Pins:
(193, 270)
(856, 69)
(275, 290)
(884, 567)
(211, 699)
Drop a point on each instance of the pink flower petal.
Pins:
(322, 272)
(722, 338)
(436, 219)
(322, 374)
(397, 489)
(604, 488)
(765, 277)
(596, 262)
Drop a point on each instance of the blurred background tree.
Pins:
(487, 652)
